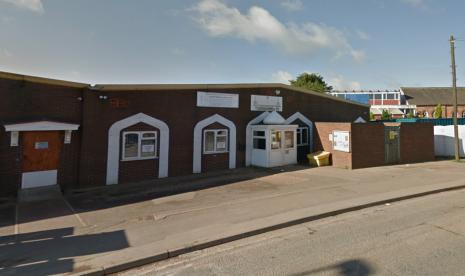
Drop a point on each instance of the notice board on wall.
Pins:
(341, 140)
(212, 99)
(266, 103)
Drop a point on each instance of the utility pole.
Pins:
(454, 89)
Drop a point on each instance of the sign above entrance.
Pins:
(41, 145)
(341, 141)
(266, 103)
(210, 99)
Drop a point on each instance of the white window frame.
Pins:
(294, 134)
(299, 141)
(215, 131)
(258, 137)
(139, 145)
(280, 142)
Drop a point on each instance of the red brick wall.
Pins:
(69, 162)
(447, 111)
(10, 165)
(83, 162)
(24, 101)
(367, 145)
(217, 161)
(416, 142)
(384, 102)
(321, 142)
(177, 108)
(138, 170)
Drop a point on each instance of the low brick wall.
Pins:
(321, 142)
(416, 142)
(367, 143)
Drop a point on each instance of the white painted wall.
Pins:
(444, 140)
(38, 179)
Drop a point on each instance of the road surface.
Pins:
(423, 236)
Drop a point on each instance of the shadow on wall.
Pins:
(29, 254)
(350, 267)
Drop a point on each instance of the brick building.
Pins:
(427, 98)
(392, 101)
(76, 135)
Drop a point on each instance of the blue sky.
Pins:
(359, 44)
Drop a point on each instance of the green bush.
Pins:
(386, 115)
(437, 112)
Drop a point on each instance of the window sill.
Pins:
(138, 158)
(216, 152)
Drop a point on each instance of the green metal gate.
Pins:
(391, 144)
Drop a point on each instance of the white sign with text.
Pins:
(341, 140)
(210, 99)
(266, 103)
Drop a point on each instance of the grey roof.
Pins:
(433, 95)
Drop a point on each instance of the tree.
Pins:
(385, 115)
(314, 82)
(437, 112)
(372, 116)
(410, 114)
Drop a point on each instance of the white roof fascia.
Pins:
(41, 126)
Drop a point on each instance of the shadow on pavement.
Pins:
(128, 193)
(30, 254)
(345, 268)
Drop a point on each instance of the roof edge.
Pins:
(14, 76)
(142, 87)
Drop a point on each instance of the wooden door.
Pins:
(392, 144)
(41, 150)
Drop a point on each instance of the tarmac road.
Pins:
(423, 236)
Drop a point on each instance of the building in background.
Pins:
(391, 100)
(427, 98)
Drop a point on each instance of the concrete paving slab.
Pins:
(44, 215)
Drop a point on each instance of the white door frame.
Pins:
(306, 121)
(248, 136)
(197, 154)
(114, 146)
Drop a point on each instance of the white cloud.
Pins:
(4, 53)
(362, 35)
(178, 52)
(218, 19)
(33, 5)
(292, 5)
(281, 77)
(415, 3)
(7, 20)
(338, 82)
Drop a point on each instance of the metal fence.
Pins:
(436, 122)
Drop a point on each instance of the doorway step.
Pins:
(39, 193)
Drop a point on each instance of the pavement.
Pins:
(97, 234)
(422, 236)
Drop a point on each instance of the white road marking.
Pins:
(78, 217)
(16, 221)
